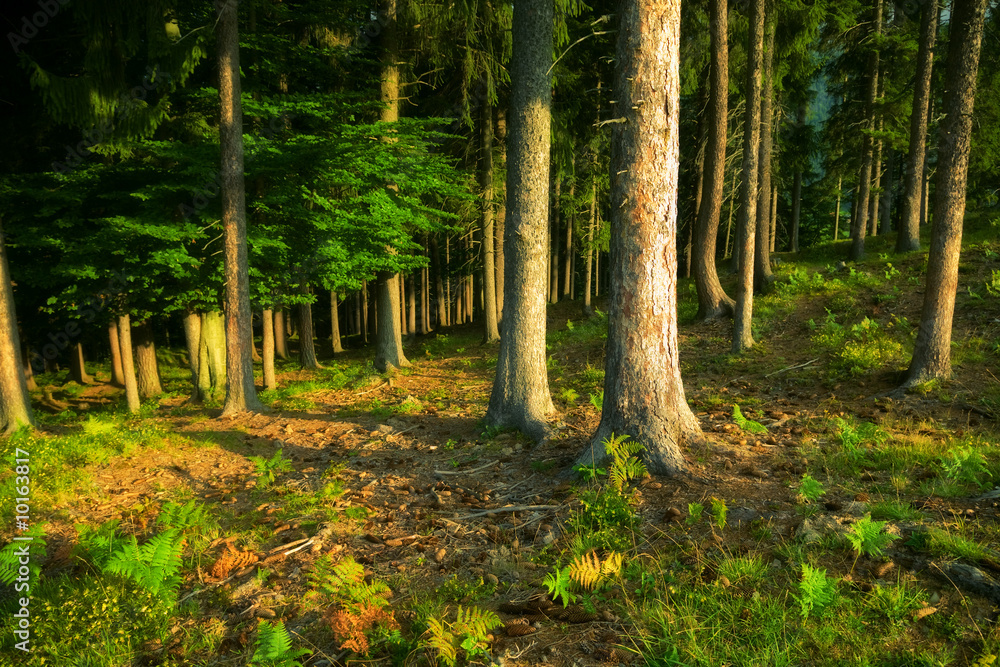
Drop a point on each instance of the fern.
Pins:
(155, 565)
(589, 571)
(625, 465)
(816, 590)
(274, 647)
(183, 517)
(809, 489)
(867, 538)
(267, 469)
(10, 563)
(719, 511)
(469, 632)
(558, 582)
(344, 582)
(748, 425)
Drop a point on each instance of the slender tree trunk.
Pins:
(932, 350)
(491, 332)
(411, 303)
(885, 202)
(404, 320)
(567, 289)
(643, 393)
(597, 273)
(908, 237)
(128, 366)
(554, 236)
(77, 366)
(307, 346)
(762, 275)
(280, 341)
(588, 308)
(146, 367)
(712, 299)
(253, 343)
(117, 375)
(797, 208)
(241, 395)
(836, 219)
(389, 344)
(15, 403)
(368, 312)
(192, 337)
(860, 226)
(692, 224)
(501, 212)
(267, 351)
(439, 288)
(448, 301)
(335, 343)
(873, 204)
(425, 296)
(29, 373)
(742, 337)
(520, 396)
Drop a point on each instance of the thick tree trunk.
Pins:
(335, 343)
(241, 395)
(932, 350)
(742, 336)
(860, 225)
(146, 368)
(797, 208)
(908, 237)
(389, 344)
(280, 341)
(643, 393)
(762, 274)
(192, 337)
(491, 332)
(128, 366)
(307, 346)
(77, 366)
(520, 396)
(15, 403)
(212, 355)
(712, 299)
(267, 351)
(117, 375)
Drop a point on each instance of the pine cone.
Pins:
(518, 629)
(511, 608)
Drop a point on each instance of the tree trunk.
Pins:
(588, 308)
(212, 355)
(501, 212)
(643, 393)
(389, 344)
(280, 342)
(335, 343)
(567, 285)
(712, 299)
(411, 302)
(448, 301)
(908, 237)
(554, 236)
(885, 202)
(404, 321)
(241, 395)
(371, 313)
(699, 186)
(267, 351)
(520, 396)
(491, 332)
(836, 219)
(146, 367)
(192, 337)
(117, 375)
(873, 204)
(762, 275)
(29, 372)
(15, 403)
(744, 249)
(439, 288)
(77, 366)
(128, 366)
(932, 350)
(307, 346)
(253, 344)
(860, 226)
(797, 208)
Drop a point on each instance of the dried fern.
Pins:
(589, 571)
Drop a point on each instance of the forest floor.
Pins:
(831, 524)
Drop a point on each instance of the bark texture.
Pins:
(241, 395)
(212, 355)
(908, 236)
(491, 332)
(267, 350)
(15, 404)
(78, 366)
(128, 365)
(307, 345)
(932, 350)
(859, 227)
(147, 371)
(643, 393)
(192, 336)
(117, 375)
(389, 344)
(335, 343)
(712, 299)
(280, 340)
(520, 397)
(762, 274)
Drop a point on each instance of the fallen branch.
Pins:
(792, 368)
(465, 472)
(509, 508)
(378, 386)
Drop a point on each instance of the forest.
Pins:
(433, 333)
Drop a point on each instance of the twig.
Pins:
(792, 368)
(509, 508)
(378, 386)
(301, 546)
(465, 472)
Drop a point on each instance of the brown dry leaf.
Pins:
(230, 560)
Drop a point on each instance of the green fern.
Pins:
(867, 538)
(183, 517)
(719, 511)
(469, 632)
(558, 581)
(344, 582)
(268, 469)
(10, 563)
(816, 590)
(747, 424)
(809, 489)
(625, 465)
(274, 647)
(155, 565)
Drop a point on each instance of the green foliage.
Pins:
(558, 582)
(344, 582)
(861, 347)
(267, 470)
(469, 632)
(895, 603)
(274, 647)
(816, 590)
(569, 395)
(966, 465)
(10, 560)
(747, 424)
(856, 437)
(186, 517)
(625, 466)
(154, 565)
(809, 489)
(695, 511)
(719, 511)
(867, 538)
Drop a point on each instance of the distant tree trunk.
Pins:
(729, 224)
(280, 343)
(797, 208)
(448, 316)
(425, 296)
(712, 299)
(762, 275)
(588, 308)
(555, 217)
(267, 351)
(501, 212)
(128, 366)
(491, 332)
(742, 337)
(307, 347)
(439, 289)
(643, 392)
(860, 226)
(699, 166)
(212, 355)
(520, 396)
(117, 375)
(29, 373)
(372, 312)
(873, 203)
(932, 350)
(411, 303)
(77, 366)
(253, 344)
(885, 202)
(147, 369)
(908, 237)
(404, 320)
(389, 343)
(567, 290)
(15, 403)
(335, 343)
(192, 336)
(836, 219)
(241, 395)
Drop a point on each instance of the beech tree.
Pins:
(520, 396)
(932, 349)
(15, 404)
(643, 393)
